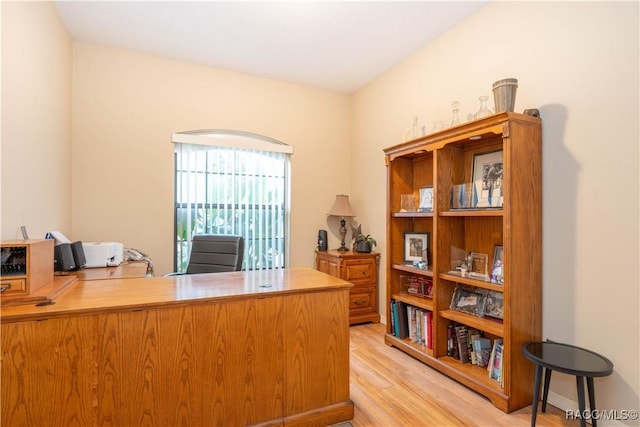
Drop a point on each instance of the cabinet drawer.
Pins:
(13, 286)
(360, 271)
(361, 301)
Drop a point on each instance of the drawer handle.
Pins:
(5, 287)
(360, 302)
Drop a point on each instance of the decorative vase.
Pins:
(504, 94)
(484, 111)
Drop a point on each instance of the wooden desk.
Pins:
(240, 348)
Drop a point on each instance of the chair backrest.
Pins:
(211, 253)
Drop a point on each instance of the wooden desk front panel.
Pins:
(198, 365)
(47, 372)
(317, 353)
(277, 359)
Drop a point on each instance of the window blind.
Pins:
(222, 189)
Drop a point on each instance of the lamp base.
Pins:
(343, 248)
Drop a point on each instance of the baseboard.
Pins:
(570, 406)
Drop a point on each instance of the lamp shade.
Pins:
(341, 207)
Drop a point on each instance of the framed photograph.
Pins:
(494, 304)
(497, 274)
(487, 176)
(469, 299)
(479, 266)
(426, 199)
(416, 247)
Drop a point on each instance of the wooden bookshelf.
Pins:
(445, 159)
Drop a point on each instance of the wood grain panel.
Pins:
(46, 373)
(240, 348)
(317, 351)
(200, 365)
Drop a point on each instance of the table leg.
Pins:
(547, 380)
(592, 399)
(536, 395)
(581, 408)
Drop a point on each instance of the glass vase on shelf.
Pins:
(455, 107)
(484, 110)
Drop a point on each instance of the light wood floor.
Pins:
(390, 388)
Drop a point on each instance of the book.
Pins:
(461, 337)
(496, 370)
(402, 329)
(428, 316)
(392, 319)
(472, 336)
(411, 322)
(496, 343)
(482, 349)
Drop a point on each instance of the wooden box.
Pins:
(27, 265)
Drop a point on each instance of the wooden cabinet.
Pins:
(27, 265)
(361, 269)
(443, 160)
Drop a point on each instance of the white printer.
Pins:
(103, 254)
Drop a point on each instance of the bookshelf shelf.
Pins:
(424, 303)
(413, 270)
(489, 325)
(442, 160)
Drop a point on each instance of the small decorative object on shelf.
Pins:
(462, 196)
(426, 199)
(460, 262)
(494, 304)
(455, 108)
(479, 266)
(416, 248)
(469, 299)
(418, 285)
(484, 110)
(407, 203)
(487, 179)
(504, 94)
(497, 274)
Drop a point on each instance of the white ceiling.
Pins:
(336, 45)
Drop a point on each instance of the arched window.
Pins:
(233, 182)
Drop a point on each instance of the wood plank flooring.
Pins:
(392, 389)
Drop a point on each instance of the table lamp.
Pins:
(342, 208)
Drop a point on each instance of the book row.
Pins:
(469, 345)
(408, 321)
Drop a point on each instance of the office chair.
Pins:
(213, 253)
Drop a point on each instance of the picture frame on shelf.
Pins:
(479, 266)
(494, 304)
(426, 199)
(497, 272)
(469, 299)
(487, 173)
(416, 247)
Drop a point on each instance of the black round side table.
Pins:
(570, 360)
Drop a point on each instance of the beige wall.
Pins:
(36, 120)
(578, 63)
(125, 107)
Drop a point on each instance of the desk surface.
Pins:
(109, 295)
(125, 270)
(568, 359)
